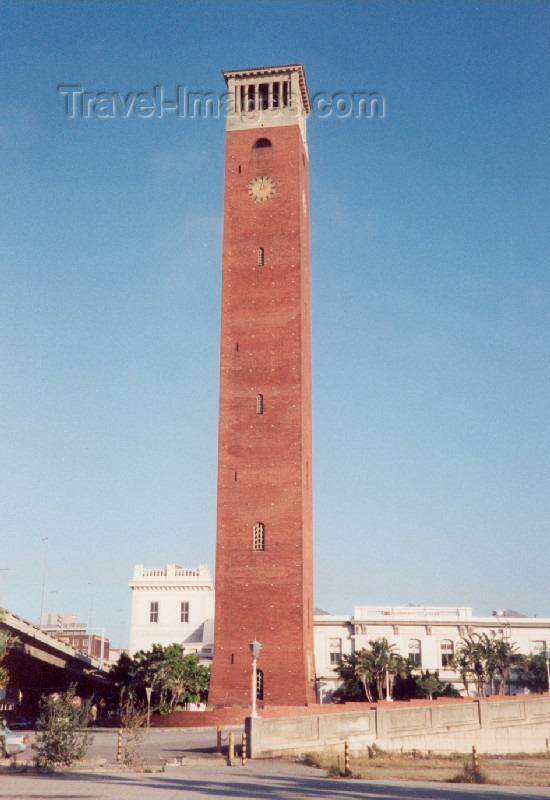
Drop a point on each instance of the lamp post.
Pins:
(389, 698)
(255, 648)
(43, 539)
(148, 691)
(91, 585)
(502, 615)
(4, 569)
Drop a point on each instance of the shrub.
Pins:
(61, 739)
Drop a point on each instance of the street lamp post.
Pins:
(43, 539)
(4, 569)
(388, 696)
(91, 584)
(148, 692)
(255, 648)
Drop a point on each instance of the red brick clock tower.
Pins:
(264, 576)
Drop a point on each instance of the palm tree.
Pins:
(469, 662)
(365, 670)
(506, 657)
(386, 665)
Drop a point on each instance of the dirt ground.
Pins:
(510, 770)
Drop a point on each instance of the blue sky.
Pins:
(430, 300)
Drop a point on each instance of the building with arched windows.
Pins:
(175, 604)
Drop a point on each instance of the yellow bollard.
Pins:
(231, 748)
(346, 758)
(475, 760)
(219, 740)
(243, 751)
(119, 746)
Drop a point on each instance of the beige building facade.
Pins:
(176, 604)
(172, 604)
(426, 635)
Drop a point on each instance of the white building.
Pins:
(426, 635)
(173, 604)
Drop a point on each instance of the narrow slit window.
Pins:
(259, 684)
(261, 256)
(259, 404)
(154, 611)
(259, 536)
(184, 611)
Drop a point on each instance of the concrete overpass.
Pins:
(39, 664)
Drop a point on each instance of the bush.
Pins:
(470, 774)
(61, 739)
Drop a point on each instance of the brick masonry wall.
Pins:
(264, 467)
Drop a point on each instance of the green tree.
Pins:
(365, 672)
(351, 687)
(469, 661)
(175, 677)
(505, 656)
(535, 672)
(430, 685)
(376, 668)
(62, 738)
(7, 641)
(480, 658)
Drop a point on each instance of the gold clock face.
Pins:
(261, 188)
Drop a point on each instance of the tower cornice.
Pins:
(281, 70)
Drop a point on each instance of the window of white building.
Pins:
(447, 652)
(539, 646)
(184, 611)
(335, 651)
(415, 652)
(154, 611)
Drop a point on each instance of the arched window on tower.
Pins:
(258, 536)
(263, 142)
(259, 684)
(261, 256)
(259, 404)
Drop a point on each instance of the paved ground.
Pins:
(259, 780)
(157, 743)
(205, 777)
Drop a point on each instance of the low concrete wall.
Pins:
(512, 725)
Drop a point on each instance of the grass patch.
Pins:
(522, 769)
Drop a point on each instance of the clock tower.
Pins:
(264, 570)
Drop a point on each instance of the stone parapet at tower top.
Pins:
(267, 97)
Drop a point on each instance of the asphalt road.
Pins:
(259, 780)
